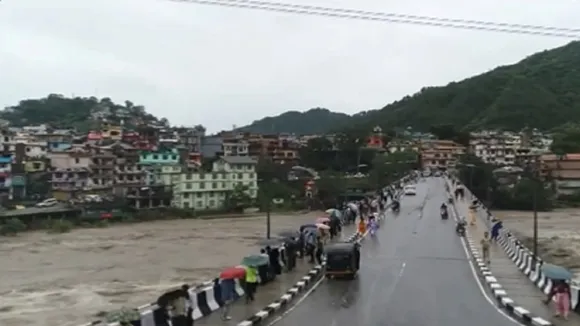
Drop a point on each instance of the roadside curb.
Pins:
(500, 294)
(307, 281)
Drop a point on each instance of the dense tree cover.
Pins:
(541, 91)
(524, 195)
(61, 112)
(314, 121)
(566, 139)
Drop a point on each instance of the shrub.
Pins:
(60, 226)
(12, 227)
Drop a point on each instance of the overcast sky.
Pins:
(223, 66)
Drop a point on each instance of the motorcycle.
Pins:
(444, 214)
(396, 208)
(460, 230)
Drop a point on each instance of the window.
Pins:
(164, 157)
(199, 195)
(185, 204)
(202, 185)
(188, 186)
(223, 184)
(28, 149)
(251, 175)
(188, 176)
(202, 176)
(77, 161)
(212, 203)
(155, 156)
(174, 157)
(211, 194)
(199, 204)
(240, 175)
(214, 176)
(36, 165)
(214, 185)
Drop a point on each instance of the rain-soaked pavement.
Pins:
(65, 279)
(414, 273)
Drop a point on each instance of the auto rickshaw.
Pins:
(342, 260)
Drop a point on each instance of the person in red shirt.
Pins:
(561, 292)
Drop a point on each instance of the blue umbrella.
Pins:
(255, 260)
(556, 272)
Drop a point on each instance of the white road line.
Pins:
(476, 277)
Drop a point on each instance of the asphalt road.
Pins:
(414, 273)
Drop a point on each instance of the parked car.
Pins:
(47, 203)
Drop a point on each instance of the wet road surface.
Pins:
(266, 294)
(414, 273)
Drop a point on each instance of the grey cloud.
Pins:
(220, 66)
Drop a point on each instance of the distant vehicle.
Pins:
(47, 203)
(437, 174)
(410, 190)
(426, 173)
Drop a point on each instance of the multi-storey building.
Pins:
(210, 190)
(440, 153)
(563, 171)
(69, 172)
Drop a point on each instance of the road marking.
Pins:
(476, 277)
(306, 294)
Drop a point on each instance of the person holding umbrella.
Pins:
(251, 264)
(560, 290)
(228, 287)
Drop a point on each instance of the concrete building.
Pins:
(203, 191)
(563, 171)
(440, 153)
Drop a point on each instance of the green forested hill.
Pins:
(314, 121)
(541, 91)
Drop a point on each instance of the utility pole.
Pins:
(268, 221)
(535, 225)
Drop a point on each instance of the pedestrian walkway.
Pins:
(266, 294)
(517, 285)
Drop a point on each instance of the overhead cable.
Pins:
(572, 33)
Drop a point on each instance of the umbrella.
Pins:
(322, 220)
(331, 211)
(270, 242)
(323, 226)
(336, 214)
(556, 272)
(353, 206)
(255, 260)
(307, 226)
(289, 233)
(233, 273)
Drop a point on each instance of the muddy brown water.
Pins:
(67, 279)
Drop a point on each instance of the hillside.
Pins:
(314, 121)
(78, 112)
(541, 91)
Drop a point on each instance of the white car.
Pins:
(410, 191)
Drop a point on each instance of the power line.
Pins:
(572, 33)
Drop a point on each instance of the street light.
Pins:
(531, 172)
(268, 207)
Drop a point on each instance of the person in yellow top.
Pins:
(485, 243)
(362, 226)
(251, 283)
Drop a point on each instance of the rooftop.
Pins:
(239, 160)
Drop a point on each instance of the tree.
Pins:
(238, 198)
(448, 132)
(59, 111)
(389, 167)
(566, 140)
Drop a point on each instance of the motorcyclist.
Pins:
(443, 209)
(461, 223)
(396, 205)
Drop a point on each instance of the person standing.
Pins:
(560, 290)
(228, 287)
(485, 243)
(251, 283)
(180, 307)
(319, 251)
